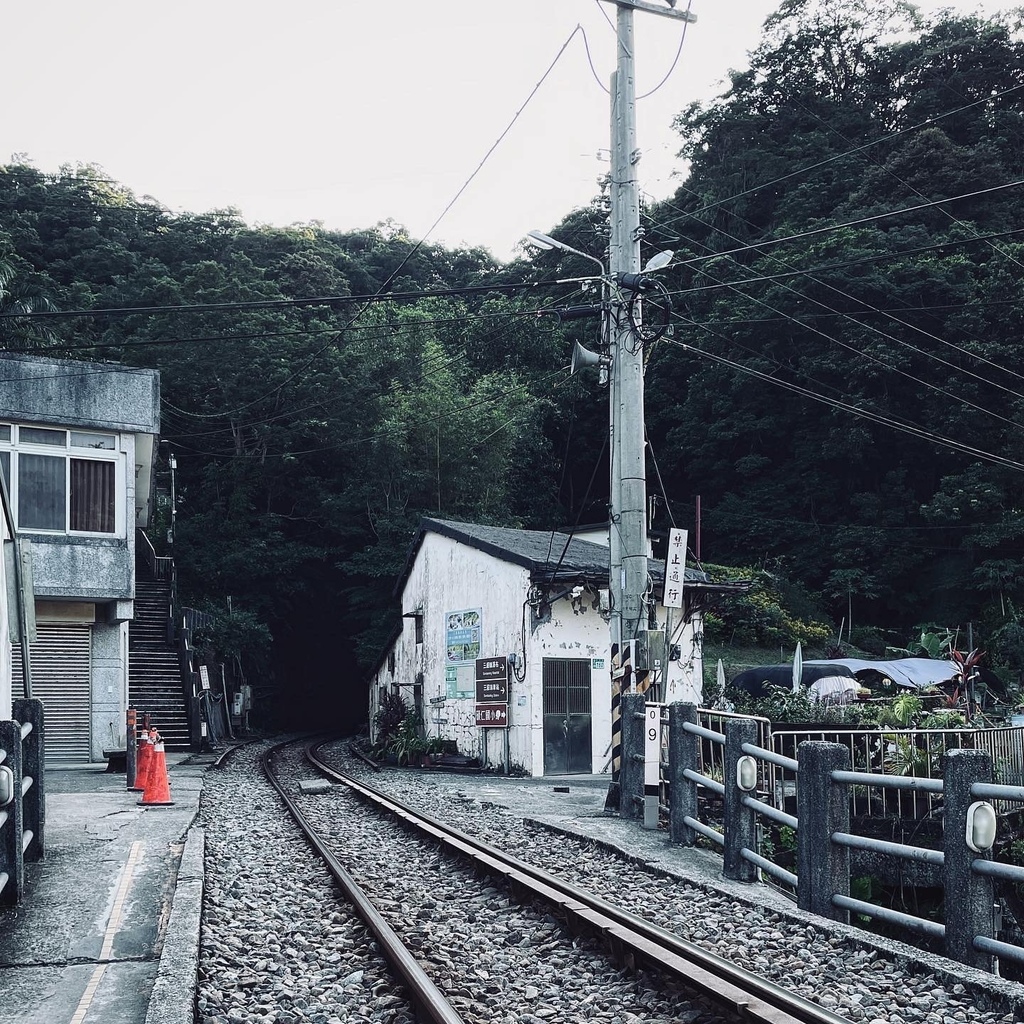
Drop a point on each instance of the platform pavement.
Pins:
(108, 930)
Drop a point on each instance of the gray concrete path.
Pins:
(101, 920)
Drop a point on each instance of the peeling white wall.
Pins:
(570, 634)
(449, 576)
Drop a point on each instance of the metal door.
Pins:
(567, 735)
(61, 679)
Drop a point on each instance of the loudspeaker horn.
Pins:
(582, 357)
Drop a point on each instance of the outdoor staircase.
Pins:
(154, 677)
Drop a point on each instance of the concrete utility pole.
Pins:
(628, 530)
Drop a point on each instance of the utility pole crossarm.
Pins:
(665, 12)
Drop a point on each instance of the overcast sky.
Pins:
(354, 111)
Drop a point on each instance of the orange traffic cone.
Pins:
(158, 786)
(145, 761)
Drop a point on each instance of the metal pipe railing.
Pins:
(829, 781)
(22, 814)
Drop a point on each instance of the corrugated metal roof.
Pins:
(547, 555)
(536, 550)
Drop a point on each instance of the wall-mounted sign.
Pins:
(597, 663)
(492, 680)
(438, 700)
(675, 568)
(462, 635)
(459, 682)
(492, 716)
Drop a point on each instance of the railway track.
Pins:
(698, 985)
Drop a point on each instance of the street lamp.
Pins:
(547, 242)
(173, 463)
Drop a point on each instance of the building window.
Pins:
(58, 490)
(92, 496)
(43, 435)
(418, 621)
(42, 492)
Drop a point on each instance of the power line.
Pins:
(867, 414)
(860, 221)
(869, 307)
(383, 330)
(352, 442)
(898, 341)
(892, 174)
(846, 264)
(859, 149)
(259, 304)
(396, 326)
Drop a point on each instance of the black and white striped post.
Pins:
(652, 764)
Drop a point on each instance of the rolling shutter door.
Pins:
(61, 679)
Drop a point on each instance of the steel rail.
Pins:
(429, 1000)
(747, 995)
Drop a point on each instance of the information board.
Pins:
(492, 716)
(492, 680)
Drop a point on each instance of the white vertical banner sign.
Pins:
(675, 568)
(652, 763)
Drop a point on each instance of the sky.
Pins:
(353, 112)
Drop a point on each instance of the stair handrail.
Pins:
(177, 636)
(160, 566)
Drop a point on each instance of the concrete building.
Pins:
(489, 612)
(77, 443)
(8, 604)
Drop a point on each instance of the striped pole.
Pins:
(611, 800)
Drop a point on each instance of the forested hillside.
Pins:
(843, 383)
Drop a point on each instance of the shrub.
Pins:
(759, 617)
(389, 718)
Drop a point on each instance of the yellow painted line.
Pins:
(116, 913)
(119, 899)
(87, 996)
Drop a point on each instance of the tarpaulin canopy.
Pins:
(756, 681)
(911, 673)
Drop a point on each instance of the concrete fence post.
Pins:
(740, 821)
(823, 807)
(33, 766)
(969, 896)
(631, 775)
(194, 707)
(683, 753)
(12, 862)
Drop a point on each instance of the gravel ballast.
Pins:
(277, 948)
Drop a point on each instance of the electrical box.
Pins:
(649, 651)
(236, 705)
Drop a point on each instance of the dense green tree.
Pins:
(852, 111)
(843, 385)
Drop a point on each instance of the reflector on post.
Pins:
(981, 826)
(746, 773)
